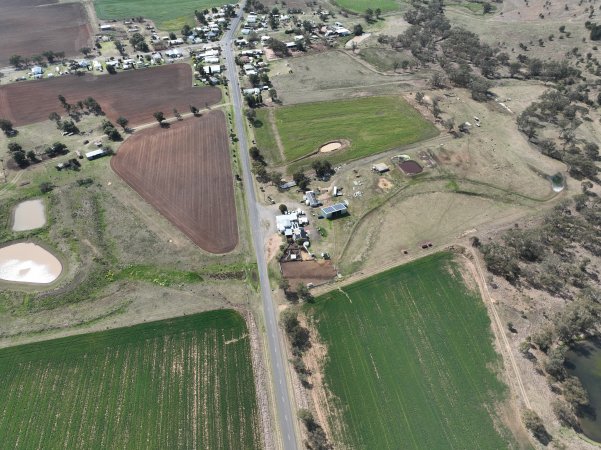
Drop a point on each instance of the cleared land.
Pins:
(161, 12)
(179, 383)
(31, 27)
(409, 361)
(371, 124)
(186, 174)
(135, 95)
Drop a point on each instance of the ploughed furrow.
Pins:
(185, 172)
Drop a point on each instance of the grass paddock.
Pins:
(410, 360)
(371, 124)
(178, 383)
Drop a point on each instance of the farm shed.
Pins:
(334, 211)
(380, 168)
(95, 154)
(311, 199)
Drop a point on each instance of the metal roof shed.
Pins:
(333, 211)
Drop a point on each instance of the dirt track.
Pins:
(28, 29)
(185, 173)
(135, 95)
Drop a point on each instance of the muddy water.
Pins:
(584, 362)
(28, 263)
(29, 215)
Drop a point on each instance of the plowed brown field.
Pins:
(28, 29)
(185, 173)
(135, 94)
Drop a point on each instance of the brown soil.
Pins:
(30, 27)
(384, 184)
(135, 95)
(273, 245)
(316, 272)
(186, 174)
(334, 146)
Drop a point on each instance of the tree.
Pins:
(449, 124)
(358, 30)
(138, 43)
(6, 126)
(111, 69)
(122, 122)
(159, 116)
(574, 393)
(193, 110)
(322, 168)
(304, 294)
(16, 60)
(275, 178)
(283, 208)
(172, 36)
(85, 51)
(301, 180)
(437, 80)
(49, 55)
(486, 8)
(46, 187)
(20, 158)
(369, 15)
(564, 414)
(533, 423)
(378, 13)
(92, 105)
(279, 48)
(419, 97)
(32, 156)
(284, 284)
(14, 147)
(251, 115)
(68, 126)
(54, 117)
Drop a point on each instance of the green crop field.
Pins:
(360, 6)
(179, 383)
(170, 16)
(371, 124)
(410, 361)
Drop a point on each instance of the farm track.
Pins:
(136, 94)
(185, 173)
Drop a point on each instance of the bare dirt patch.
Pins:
(135, 95)
(384, 184)
(332, 146)
(32, 27)
(316, 272)
(185, 173)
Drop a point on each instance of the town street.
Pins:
(286, 417)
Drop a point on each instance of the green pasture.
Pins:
(170, 16)
(410, 361)
(178, 383)
(371, 124)
(359, 6)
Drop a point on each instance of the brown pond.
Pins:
(411, 167)
(29, 215)
(26, 262)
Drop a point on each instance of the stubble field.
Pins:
(136, 94)
(30, 27)
(179, 383)
(185, 173)
(371, 124)
(410, 361)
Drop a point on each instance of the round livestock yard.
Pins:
(411, 167)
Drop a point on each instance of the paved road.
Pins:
(285, 410)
